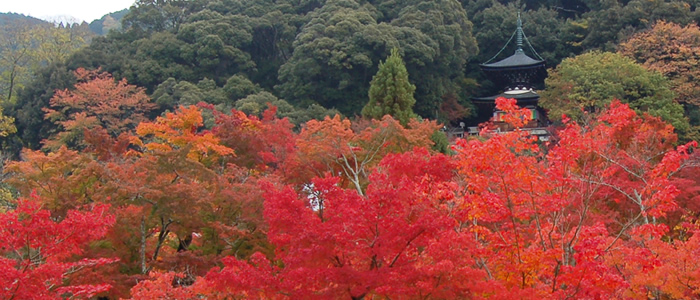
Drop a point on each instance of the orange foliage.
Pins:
(362, 209)
(97, 102)
(64, 179)
(672, 50)
(333, 145)
(181, 130)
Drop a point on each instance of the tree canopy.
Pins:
(390, 92)
(212, 149)
(589, 82)
(674, 51)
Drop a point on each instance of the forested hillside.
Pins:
(294, 149)
(8, 18)
(325, 53)
(108, 22)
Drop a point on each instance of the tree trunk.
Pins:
(142, 251)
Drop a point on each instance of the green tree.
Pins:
(32, 128)
(7, 125)
(256, 104)
(15, 58)
(338, 50)
(589, 82)
(330, 64)
(390, 92)
(609, 22)
(55, 44)
(25, 47)
(239, 86)
(436, 40)
(158, 15)
(172, 93)
(213, 44)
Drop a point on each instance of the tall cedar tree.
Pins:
(390, 92)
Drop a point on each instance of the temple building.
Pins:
(516, 75)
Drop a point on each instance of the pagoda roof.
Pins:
(523, 98)
(517, 60)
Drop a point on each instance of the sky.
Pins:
(82, 10)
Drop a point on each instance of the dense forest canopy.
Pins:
(295, 149)
(326, 52)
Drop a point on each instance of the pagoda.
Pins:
(516, 75)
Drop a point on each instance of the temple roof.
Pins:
(523, 98)
(518, 70)
(517, 60)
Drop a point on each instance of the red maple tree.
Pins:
(38, 254)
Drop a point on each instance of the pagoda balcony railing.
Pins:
(542, 133)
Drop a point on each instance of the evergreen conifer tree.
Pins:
(390, 92)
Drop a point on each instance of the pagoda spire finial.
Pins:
(519, 33)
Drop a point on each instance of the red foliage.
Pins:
(506, 218)
(569, 222)
(334, 146)
(259, 144)
(162, 286)
(97, 102)
(38, 252)
(398, 240)
(347, 210)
